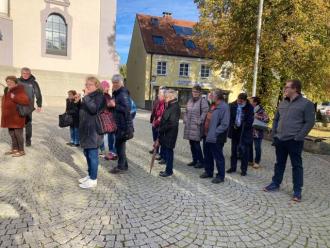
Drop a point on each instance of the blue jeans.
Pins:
(169, 156)
(92, 157)
(257, 148)
(214, 151)
(293, 149)
(196, 151)
(111, 143)
(74, 135)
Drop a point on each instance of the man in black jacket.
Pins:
(124, 122)
(168, 130)
(32, 89)
(240, 132)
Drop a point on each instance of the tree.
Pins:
(123, 71)
(295, 43)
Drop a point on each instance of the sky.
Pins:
(127, 9)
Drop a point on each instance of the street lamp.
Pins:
(256, 59)
(152, 84)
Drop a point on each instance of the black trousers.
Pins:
(243, 149)
(17, 140)
(121, 153)
(28, 129)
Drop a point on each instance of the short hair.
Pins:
(295, 84)
(117, 78)
(242, 96)
(197, 88)
(94, 80)
(12, 78)
(256, 99)
(26, 69)
(73, 92)
(219, 94)
(172, 92)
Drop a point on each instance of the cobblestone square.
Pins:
(41, 204)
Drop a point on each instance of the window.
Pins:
(56, 35)
(180, 30)
(161, 68)
(205, 71)
(154, 22)
(184, 70)
(190, 44)
(158, 40)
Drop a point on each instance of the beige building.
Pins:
(62, 41)
(163, 53)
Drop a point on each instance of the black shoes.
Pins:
(116, 170)
(205, 175)
(28, 143)
(192, 164)
(162, 161)
(217, 180)
(151, 151)
(164, 174)
(231, 170)
(199, 165)
(243, 174)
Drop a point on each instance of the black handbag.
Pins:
(65, 120)
(25, 110)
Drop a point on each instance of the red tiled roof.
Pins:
(174, 44)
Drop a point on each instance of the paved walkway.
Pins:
(41, 204)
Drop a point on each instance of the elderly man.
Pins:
(294, 119)
(168, 130)
(32, 89)
(123, 118)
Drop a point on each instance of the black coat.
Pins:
(32, 89)
(169, 125)
(90, 106)
(72, 108)
(246, 127)
(122, 113)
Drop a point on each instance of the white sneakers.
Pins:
(87, 183)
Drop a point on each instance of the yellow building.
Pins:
(62, 41)
(162, 53)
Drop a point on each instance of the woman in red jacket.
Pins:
(14, 94)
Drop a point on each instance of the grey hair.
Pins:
(117, 78)
(26, 69)
(172, 93)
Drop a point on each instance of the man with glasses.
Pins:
(294, 119)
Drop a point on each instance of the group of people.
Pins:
(84, 131)
(20, 94)
(211, 121)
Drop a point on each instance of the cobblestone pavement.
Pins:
(41, 204)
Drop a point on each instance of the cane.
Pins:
(153, 158)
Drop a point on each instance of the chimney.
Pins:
(167, 15)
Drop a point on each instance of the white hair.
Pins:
(171, 93)
(117, 78)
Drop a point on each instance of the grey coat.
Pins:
(194, 118)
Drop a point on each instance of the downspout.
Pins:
(150, 78)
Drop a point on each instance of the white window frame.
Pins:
(161, 64)
(188, 71)
(204, 69)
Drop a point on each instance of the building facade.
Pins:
(163, 53)
(62, 41)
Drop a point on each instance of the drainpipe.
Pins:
(150, 79)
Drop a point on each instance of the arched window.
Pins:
(56, 35)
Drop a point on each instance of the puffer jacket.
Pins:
(194, 118)
(90, 106)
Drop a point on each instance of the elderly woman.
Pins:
(123, 118)
(14, 94)
(168, 130)
(90, 140)
(196, 111)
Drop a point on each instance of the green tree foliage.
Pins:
(123, 71)
(295, 43)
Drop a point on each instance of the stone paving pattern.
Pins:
(41, 204)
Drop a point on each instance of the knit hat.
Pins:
(105, 84)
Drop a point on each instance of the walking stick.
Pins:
(153, 160)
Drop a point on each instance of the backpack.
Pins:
(133, 108)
